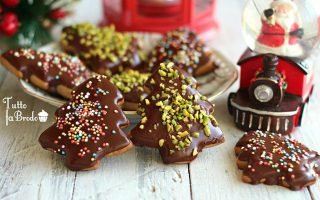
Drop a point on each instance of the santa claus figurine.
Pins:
(281, 30)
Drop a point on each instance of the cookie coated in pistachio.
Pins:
(103, 50)
(176, 118)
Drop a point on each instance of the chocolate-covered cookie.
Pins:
(104, 50)
(56, 73)
(131, 84)
(182, 47)
(88, 127)
(176, 118)
(273, 159)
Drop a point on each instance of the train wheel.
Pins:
(265, 92)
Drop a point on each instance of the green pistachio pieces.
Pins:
(178, 127)
(194, 152)
(183, 134)
(162, 73)
(159, 104)
(207, 131)
(128, 80)
(195, 134)
(203, 98)
(184, 87)
(152, 81)
(161, 142)
(143, 120)
(147, 101)
(104, 43)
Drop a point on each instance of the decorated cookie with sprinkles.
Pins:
(89, 126)
(273, 159)
(131, 84)
(176, 118)
(104, 50)
(183, 47)
(56, 73)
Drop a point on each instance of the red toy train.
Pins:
(277, 72)
(273, 94)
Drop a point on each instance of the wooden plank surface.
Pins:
(139, 174)
(28, 172)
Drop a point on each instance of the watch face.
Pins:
(286, 28)
(263, 93)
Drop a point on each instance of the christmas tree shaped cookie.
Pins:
(88, 127)
(273, 159)
(176, 118)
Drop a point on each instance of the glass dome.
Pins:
(283, 27)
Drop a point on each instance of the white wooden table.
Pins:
(29, 172)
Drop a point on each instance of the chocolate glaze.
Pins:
(278, 159)
(52, 68)
(134, 95)
(183, 47)
(88, 126)
(153, 131)
(83, 42)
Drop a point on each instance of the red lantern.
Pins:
(159, 15)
